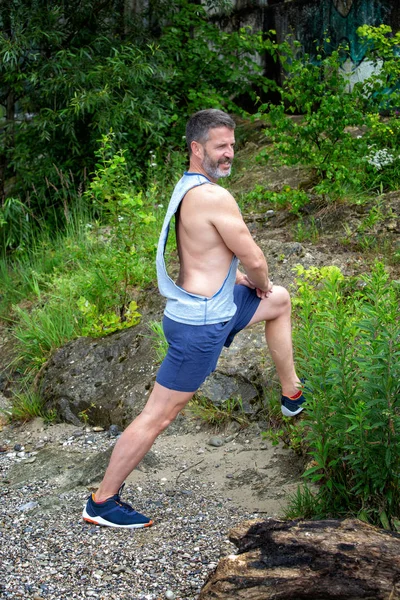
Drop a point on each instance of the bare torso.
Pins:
(210, 228)
(204, 257)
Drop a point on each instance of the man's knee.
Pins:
(162, 409)
(282, 297)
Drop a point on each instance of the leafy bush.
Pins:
(98, 325)
(347, 340)
(85, 283)
(318, 91)
(76, 72)
(334, 127)
(263, 198)
(382, 87)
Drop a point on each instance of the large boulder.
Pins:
(107, 380)
(102, 381)
(313, 560)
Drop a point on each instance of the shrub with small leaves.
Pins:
(98, 324)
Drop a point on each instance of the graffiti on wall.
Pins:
(313, 20)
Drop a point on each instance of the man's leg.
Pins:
(161, 409)
(275, 310)
(105, 507)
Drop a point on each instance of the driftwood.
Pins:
(318, 560)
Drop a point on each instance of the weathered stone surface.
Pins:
(219, 387)
(5, 404)
(105, 380)
(68, 468)
(319, 560)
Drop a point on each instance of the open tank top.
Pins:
(183, 306)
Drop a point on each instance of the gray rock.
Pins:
(28, 506)
(104, 379)
(78, 433)
(215, 441)
(5, 403)
(220, 387)
(113, 431)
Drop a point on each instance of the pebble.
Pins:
(48, 553)
(215, 441)
(78, 433)
(28, 506)
(113, 431)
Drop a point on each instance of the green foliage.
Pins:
(43, 329)
(98, 324)
(286, 432)
(27, 405)
(318, 91)
(83, 414)
(15, 230)
(160, 343)
(263, 198)
(304, 504)
(347, 336)
(72, 72)
(229, 410)
(306, 230)
(219, 66)
(123, 208)
(333, 127)
(382, 160)
(382, 87)
(83, 283)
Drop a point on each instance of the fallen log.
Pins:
(313, 560)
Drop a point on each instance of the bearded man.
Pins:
(209, 303)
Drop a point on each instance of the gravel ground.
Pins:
(48, 552)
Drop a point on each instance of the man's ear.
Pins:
(197, 149)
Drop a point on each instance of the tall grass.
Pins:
(99, 263)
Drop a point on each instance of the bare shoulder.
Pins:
(211, 197)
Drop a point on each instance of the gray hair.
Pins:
(200, 123)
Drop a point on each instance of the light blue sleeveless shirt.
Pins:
(183, 306)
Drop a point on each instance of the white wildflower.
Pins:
(380, 158)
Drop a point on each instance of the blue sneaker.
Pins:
(114, 513)
(292, 405)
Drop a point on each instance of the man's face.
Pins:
(218, 152)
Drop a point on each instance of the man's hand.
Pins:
(242, 279)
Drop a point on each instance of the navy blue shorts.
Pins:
(193, 350)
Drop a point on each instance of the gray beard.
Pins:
(213, 169)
